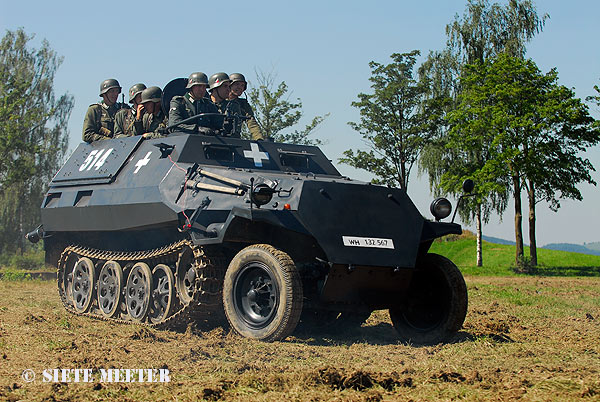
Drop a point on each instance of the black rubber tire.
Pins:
(436, 304)
(262, 293)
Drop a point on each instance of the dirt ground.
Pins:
(523, 339)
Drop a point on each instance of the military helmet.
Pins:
(108, 84)
(151, 94)
(217, 79)
(197, 78)
(238, 77)
(135, 90)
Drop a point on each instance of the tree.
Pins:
(595, 98)
(392, 122)
(487, 30)
(484, 31)
(532, 130)
(275, 113)
(553, 165)
(33, 132)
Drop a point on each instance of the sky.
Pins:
(321, 49)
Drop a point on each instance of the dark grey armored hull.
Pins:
(354, 245)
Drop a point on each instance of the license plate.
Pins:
(374, 242)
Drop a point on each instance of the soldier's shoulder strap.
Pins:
(179, 100)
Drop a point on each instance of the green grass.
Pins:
(10, 274)
(499, 259)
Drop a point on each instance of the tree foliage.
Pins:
(595, 98)
(276, 113)
(531, 130)
(33, 132)
(392, 122)
(484, 31)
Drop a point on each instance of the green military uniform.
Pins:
(246, 111)
(99, 121)
(232, 126)
(126, 124)
(183, 107)
(154, 124)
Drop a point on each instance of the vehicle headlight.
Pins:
(261, 194)
(440, 208)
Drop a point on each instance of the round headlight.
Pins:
(261, 194)
(440, 208)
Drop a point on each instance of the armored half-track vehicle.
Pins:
(169, 231)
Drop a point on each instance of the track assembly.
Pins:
(163, 288)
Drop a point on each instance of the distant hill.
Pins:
(593, 246)
(574, 248)
(586, 248)
(497, 240)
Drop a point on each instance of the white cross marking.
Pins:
(142, 162)
(256, 155)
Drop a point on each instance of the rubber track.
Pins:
(206, 299)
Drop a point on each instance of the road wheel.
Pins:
(138, 291)
(436, 304)
(83, 284)
(110, 288)
(163, 293)
(262, 293)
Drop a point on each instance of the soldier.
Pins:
(219, 92)
(128, 122)
(100, 117)
(191, 104)
(154, 120)
(237, 88)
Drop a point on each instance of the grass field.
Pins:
(525, 338)
(498, 259)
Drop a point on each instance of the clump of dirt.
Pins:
(493, 324)
(146, 334)
(500, 326)
(358, 380)
(451, 376)
(30, 319)
(212, 394)
(216, 392)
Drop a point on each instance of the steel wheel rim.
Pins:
(66, 281)
(110, 286)
(82, 284)
(256, 295)
(138, 292)
(162, 292)
(186, 277)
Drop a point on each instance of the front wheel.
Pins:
(262, 293)
(435, 305)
